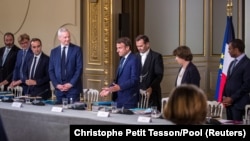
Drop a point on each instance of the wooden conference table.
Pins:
(40, 123)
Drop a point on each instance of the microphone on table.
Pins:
(127, 111)
(46, 90)
(39, 102)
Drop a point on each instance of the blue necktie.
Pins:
(33, 68)
(21, 67)
(121, 65)
(63, 65)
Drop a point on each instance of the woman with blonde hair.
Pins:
(187, 105)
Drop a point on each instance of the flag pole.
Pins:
(229, 8)
(225, 56)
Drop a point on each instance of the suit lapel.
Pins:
(236, 66)
(8, 57)
(124, 65)
(185, 72)
(58, 59)
(68, 53)
(147, 63)
(39, 63)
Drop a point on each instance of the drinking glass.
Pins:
(113, 107)
(65, 102)
(154, 112)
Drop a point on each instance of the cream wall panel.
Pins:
(213, 83)
(13, 15)
(162, 24)
(213, 78)
(194, 26)
(203, 74)
(247, 27)
(168, 80)
(219, 14)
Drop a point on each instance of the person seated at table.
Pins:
(187, 105)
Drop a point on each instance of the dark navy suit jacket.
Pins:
(6, 71)
(74, 66)
(190, 76)
(41, 76)
(238, 84)
(16, 73)
(128, 80)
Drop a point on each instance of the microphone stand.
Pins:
(127, 111)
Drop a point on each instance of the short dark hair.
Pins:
(238, 43)
(125, 40)
(36, 39)
(183, 52)
(142, 37)
(9, 34)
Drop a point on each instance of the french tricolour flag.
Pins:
(225, 59)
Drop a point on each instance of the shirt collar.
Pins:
(8, 47)
(240, 57)
(145, 53)
(64, 46)
(127, 55)
(38, 56)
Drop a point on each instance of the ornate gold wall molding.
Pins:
(93, 32)
(107, 40)
(98, 64)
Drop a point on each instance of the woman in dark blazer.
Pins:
(188, 73)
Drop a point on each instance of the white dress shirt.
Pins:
(144, 56)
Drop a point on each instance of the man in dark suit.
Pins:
(37, 72)
(125, 89)
(21, 61)
(152, 71)
(237, 87)
(8, 55)
(65, 68)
